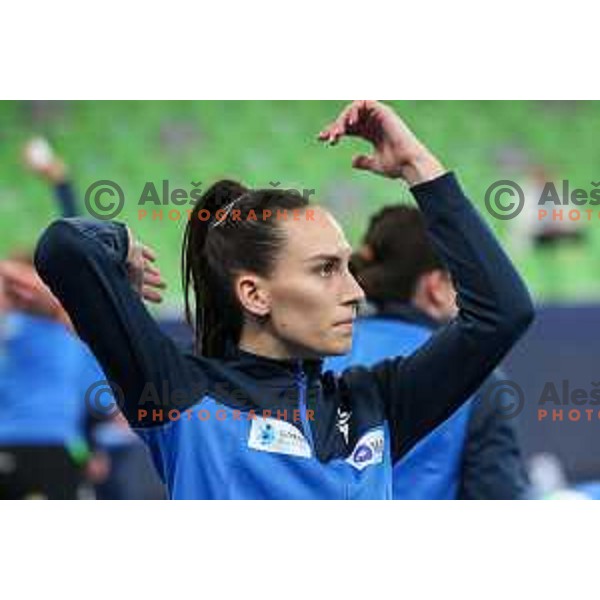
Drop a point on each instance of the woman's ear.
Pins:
(252, 294)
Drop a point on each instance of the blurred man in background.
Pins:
(44, 375)
(474, 454)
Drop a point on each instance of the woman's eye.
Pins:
(327, 268)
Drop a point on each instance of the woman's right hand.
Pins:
(145, 278)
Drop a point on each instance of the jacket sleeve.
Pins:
(65, 198)
(83, 262)
(492, 466)
(424, 389)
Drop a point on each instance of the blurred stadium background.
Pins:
(259, 142)
(132, 143)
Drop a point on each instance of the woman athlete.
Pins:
(250, 413)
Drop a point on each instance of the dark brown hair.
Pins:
(398, 253)
(215, 251)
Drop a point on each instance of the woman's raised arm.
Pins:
(92, 267)
(495, 309)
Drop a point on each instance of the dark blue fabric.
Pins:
(65, 198)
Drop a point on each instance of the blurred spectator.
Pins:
(41, 160)
(534, 229)
(547, 237)
(121, 467)
(44, 375)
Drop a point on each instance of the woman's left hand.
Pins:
(397, 153)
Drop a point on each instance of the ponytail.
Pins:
(210, 329)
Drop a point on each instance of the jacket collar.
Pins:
(404, 312)
(276, 372)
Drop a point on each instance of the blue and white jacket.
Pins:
(326, 436)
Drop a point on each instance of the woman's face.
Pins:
(312, 297)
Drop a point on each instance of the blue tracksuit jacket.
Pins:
(326, 436)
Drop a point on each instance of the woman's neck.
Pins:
(262, 343)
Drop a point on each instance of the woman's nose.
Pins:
(354, 292)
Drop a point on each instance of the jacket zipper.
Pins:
(301, 383)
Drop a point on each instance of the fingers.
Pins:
(353, 121)
(153, 276)
(333, 132)
(20, 282)
(143, 275)
(29, 298)
(148, 253)
(355, 110)
(153, 280)
(16, 272)
(22, 293)
(152, 283)
(152, 295)
(365, 163)
(330, 134)
(152, 270)
(137, 249)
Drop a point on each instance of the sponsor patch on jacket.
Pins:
(281, 437)
(368, 450)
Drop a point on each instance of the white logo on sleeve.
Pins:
(368, 450)
(343, 422)
(281, 437)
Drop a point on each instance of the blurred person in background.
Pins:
(474, 454)
(120, 467)
(45, 372)
(40, 159)
(544, 231)
(536, 226)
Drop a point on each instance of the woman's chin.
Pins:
(340, 348)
